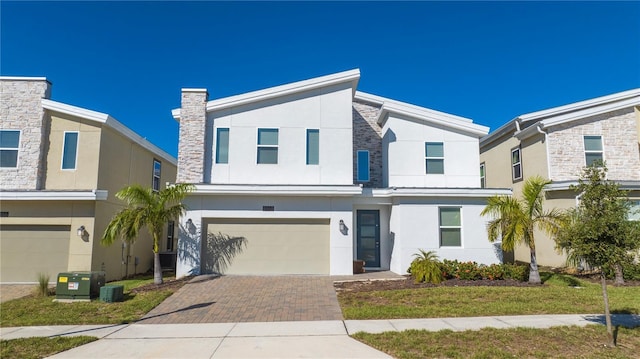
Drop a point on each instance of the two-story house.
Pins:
(315, 175)
(557, 144)
(60, 167)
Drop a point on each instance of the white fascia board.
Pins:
(505, 129)
(441, 192)
(23, 78)
(566, 185)
(279, 190)
(104, 118)
(423, 114)
(367, 97)
(94, 195)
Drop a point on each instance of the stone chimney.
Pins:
(21, 110)
(191, 151)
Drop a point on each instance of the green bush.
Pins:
(516, 271)
(449, 268)
(43, 285)
(469, 271)
(492, 272)
(630, 271)
(426, 267)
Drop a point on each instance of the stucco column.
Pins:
(191, 151)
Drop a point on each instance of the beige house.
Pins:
(556, 144)
(60, 167)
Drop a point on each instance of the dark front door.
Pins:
(368, 240)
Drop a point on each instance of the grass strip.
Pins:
(40, 347)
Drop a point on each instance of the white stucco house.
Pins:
(315, 174)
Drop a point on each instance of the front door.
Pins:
(368, 239)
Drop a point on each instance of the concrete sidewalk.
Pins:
(299, 339)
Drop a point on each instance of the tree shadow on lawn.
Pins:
(568, 279)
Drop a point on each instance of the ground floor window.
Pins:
(450, 227)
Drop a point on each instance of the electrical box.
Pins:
(112, 293)
(79, 285)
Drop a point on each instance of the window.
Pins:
(450, 228)
(592, 149)
(268, 145)
(634, 211)
(434, 154)
(156, 175)
(363, 166)
(482, 176)
(170, 233)
(222, 146)
(9, 143)
(70, 151)
(516, 164)
(313, 147)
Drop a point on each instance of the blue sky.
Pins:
(489, 61)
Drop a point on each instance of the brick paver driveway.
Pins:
(229, 299)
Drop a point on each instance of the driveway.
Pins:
(233, 299)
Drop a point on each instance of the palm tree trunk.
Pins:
(617, 268)
(534, 274)
(607, 314)
(157, 270)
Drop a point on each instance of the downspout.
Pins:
(546, 146)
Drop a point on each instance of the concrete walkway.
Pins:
(297, 339)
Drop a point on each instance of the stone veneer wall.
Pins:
(191, 151)
(619, 137)
(367, 135)
(21, 109)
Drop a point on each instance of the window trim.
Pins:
(427, 158)
(483, 175)
(64, 143)
(153, 175)
(17, 149)
(308, 131)
(513, 165)
(358, 178)
(601, 151)
(258, 145)
(218, 130)
(440, 226)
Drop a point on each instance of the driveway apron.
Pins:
(232, 299)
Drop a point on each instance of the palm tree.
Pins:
(146, 208)
(515, 220)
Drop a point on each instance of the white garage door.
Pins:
(29, 250)
(289, 246)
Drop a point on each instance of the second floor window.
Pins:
(9, 144)
(268, 145)
(157, 166)
(516, 164)
(482, 176)
(593, 149)
(362, 166)
(70, 151)
(313, 147)
(222, 145)
(434, 157)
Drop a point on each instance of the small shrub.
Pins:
(630, 271)
(516, 272)
(43, 285)
(426, 267)
(469, 271)
(449, 268)
(492, 272)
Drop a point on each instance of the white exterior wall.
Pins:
(415, 224)
(404, 155)
(328, 110)
(202, 207)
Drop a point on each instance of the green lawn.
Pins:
(34, 310)
(35, 348)
(556, 296)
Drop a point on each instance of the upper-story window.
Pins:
(434, 157)
(268, 145)
(483, 182)
(516, 164)
(362, 166)
(157, 166)
(593, 149)
(313, 146)
(70, 151)
(9, 144)
(450, 227)
(222, 145)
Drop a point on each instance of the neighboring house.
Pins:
(315, 175)
(60, 167)
(557, 144)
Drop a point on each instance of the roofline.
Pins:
(352, 76)
(92, 195)
(625, 185)
(499, 132)
(441, 192)
(106, 119)
(282, 190)
(24, 78)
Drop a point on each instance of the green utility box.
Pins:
(112, 293)
(79, 285)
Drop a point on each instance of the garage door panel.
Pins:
(277, 246)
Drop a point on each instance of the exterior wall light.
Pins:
(81, 231)
(343, 228)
